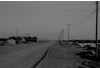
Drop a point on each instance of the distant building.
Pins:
(11, 41)
(35, 39)
(18, 39)
(3, 41)
(30, 39)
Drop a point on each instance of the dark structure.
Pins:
(3, 41)
(17, 39)
(30, 39)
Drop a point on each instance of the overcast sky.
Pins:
(48, 18)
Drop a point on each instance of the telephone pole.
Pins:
(63, 34)
(42, 37)
(59, 37)
(96, 28)
(16, 32)
(17, 36)
(68, 32)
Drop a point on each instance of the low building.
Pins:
(30, 39)
(3, 41)
(11, 41)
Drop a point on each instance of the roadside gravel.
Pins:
(60, 57)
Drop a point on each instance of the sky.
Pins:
(48, 18)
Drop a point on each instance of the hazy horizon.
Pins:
(49, 18)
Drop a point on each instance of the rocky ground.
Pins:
(67, 57)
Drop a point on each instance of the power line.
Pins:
(47, 10)
(83, 20)
(42, 11)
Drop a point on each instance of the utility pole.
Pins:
(68, 32)
(42, 37)
(16, 32)
(59, 37)
(96, 28)
(16, 36)
(63, 34)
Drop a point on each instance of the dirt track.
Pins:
(24, 58)
(60, 57)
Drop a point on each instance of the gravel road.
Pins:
(25, 58)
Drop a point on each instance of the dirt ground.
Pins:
(60, 57)
(23, 56)
(9, 48)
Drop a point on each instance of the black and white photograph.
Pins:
(49, 34)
